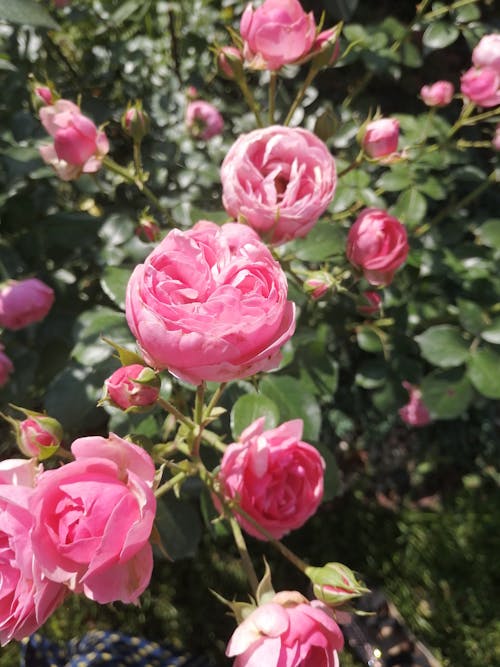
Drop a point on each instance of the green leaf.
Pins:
(489, 233)
(371, 374)
(250, 407)
(484, 372)
(447, 394)
(114, 282)
(318, 371)
(26, 12)
(90, 349)
(341, 9)
(368, 340)
(179, 526)
(332, 475)
(395, 180)
(492, 332)
(294, 403)
(324, 240)
(440, 34)
(443, 346)
(410, 207)
(472, 317)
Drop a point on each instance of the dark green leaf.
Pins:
(26, 12)
(471, 316)
(447, 394)
(439, 34)
(492, 332)
(411, 207)
(250, 407)
(489, 233)
(294, 403)
(484, 372)
(324, 240)
(368, 340)
(179, 526)
(371, 374)
(114, 284)
(443, 346)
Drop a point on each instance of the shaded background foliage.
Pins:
(411, 509)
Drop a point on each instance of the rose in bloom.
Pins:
(438, 94)
(133, 386)
(78, 147)
(276, 478)
(288, 631)
(381, 137)
(6, 367)
(279, 180)
(481, 86)
(203, 120)
(377, 244)
(277, 33)
(415, 412)
(39, 436)
(487, 52)
(27, 597)
(93, 518)
(210, 303)
(23, 302)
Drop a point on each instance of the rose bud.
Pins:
(6, 367)
(370, 304)
(147, 230)
(44, 94)
(203, 120)
(381, 137)
(318, 285)
(496, 139)
(487, 52)
(438, 94)
(133, 387)
(415, 412)
(230, 62)
(24, 302)
(334, 583)
(136, 123)
(37, 436)
(326, 48)
(192, 93)
(481, 86)
(377, 244)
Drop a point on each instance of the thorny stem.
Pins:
(246, 561)
(249, 99)
(302, 91)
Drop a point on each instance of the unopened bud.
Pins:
(37, 436)
(148, 230)
(230, 62)
(334, 584)
(136, 123)
(318, 284)
(133, 388)
(370, 303)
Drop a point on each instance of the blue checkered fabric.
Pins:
(106, 649)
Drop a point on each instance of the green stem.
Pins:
(272, 97)
(420, 10)
(138, 160)
(198, 404)
(214, 400)
(169, 407)
(250, 100)
(302, 91)
(353, 165)
(168, 486)
(244, 555)
(449, 8)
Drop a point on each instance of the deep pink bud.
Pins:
(481, 86)
(415, 412)
(370, 304)
(45, 94)
(148, 230)
(23, 302)
(133, 387)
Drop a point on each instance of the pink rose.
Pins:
(487, 52)
(210, 303)
(377, 244)
(438, 94)
(415, 412)
(6, 367)
(27, 598)
(276, 477)
(44, 94)
(148, 230)
(93, 518)
(481, 86)
(23, 302)
(79, 147)
(136, 122)
(317, 287)
(381, 137)
(203, 120)
(288, 631)
(279, 180)
(277, 33)
(327, 42)
(39, 436)
(370, 304)
(133, 386)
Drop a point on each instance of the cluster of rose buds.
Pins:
(481, 83)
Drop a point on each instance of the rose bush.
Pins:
(275, 476)
(279, 180)
(287, 631)
(92, 519)
(377, 244)
(27, 597)
(24, 302)
(210, 304)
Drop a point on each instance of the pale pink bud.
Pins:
(203, 120)
(487, 52)
(381, 137)
(230, 62)
(415, 412)
(133, 386)
(39, 436)
(191, 92)
(438, 94)
(481, 86)
(23, 302)
(136, 123)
